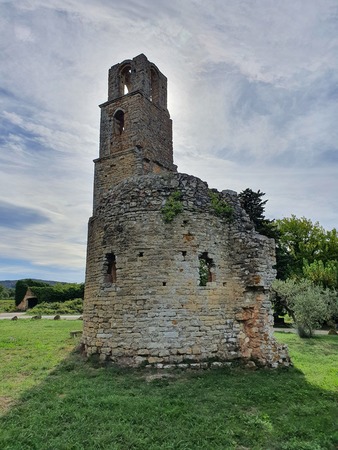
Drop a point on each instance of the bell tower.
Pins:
(136, 129)
(192, 291)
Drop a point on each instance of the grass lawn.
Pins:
(53, 399)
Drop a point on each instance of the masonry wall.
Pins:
(145, 125)
(153, 311)
(142, 145)
(143, 76)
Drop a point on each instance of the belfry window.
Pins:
(110, 275)
(154, 86)
(125, 80)
(206, 272)
(118, 122)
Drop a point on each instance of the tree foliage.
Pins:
(59, 292)
(309, 305)
(254, 206)
(44, 292)
(320, 273)
(6, 293)
(310, 250)
(299, 238)
(307, 258)
(22, 286)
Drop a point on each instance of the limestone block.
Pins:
(154, 359)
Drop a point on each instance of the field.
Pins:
(52, 399)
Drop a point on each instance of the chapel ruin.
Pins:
(176, 274)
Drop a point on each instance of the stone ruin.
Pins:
(174, 276)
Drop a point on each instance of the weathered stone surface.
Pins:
(144, 304)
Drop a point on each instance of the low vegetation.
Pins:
(7, 305)
(69, 307)
(173, 206)
(219, 206)
(53, 398)
(50, 308)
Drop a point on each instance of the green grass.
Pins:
(317, 358)
(29, 351)
(73, 404)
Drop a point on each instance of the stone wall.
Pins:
(143, 301)
(135, 129)
(138, 74)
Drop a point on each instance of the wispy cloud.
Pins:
(19, 217)
(252, 93)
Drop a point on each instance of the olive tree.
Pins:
(309, 305)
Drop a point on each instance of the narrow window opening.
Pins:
(184, 254)
(119, 122)
(154, 86)
(164, 283)
(125, 77)
(111, 268)
(141, 254)
(206, 266)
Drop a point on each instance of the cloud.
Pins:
(19, 217)
(289, 190)
(19, 268)
(252, 94)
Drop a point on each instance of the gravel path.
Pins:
(21, 315)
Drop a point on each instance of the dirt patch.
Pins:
(5, 404)
(158, 376)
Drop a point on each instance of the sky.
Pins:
(252, 91)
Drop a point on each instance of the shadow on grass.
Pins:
(83, 405)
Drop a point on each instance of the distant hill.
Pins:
(10, 284)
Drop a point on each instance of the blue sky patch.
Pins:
(19, 217)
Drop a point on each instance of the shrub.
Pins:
(172, 207)
(220, 206)
(7, 305)
(74, 306)
(6, 293)
(59, 292)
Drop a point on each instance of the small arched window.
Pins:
(125, 80)
(118, 122)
